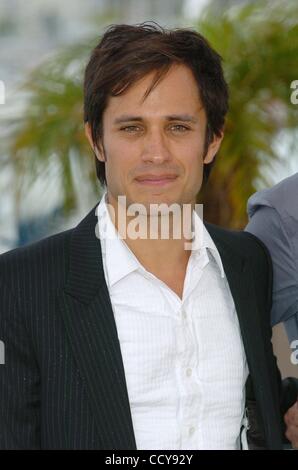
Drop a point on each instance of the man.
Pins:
(274, 219)
(117, 341)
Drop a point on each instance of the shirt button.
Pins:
(184, 314)
(191, 430)
(188, 372)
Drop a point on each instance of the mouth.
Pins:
(156, 180)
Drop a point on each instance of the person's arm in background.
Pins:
(266, 224)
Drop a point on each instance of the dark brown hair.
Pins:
(126, 53)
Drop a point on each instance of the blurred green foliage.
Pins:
(259, 45)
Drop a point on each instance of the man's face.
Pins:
(154, 148)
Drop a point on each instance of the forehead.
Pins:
(176, 92)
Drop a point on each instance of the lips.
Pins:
(156, 179)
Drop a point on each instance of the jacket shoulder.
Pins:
(245, 243)
(47, 257)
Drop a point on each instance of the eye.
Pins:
(179, 128)
(130, 129)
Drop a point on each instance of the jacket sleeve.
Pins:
(287, 388)
(19, 379)
(278, 235)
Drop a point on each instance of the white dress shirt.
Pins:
(184, 360)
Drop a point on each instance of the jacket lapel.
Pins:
(241, 282)
(87, 312)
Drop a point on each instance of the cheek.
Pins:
(195, 175)
(193, 169)
(119, 161)
(193, 146)
(193, 161)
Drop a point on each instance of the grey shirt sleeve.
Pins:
(267, 225)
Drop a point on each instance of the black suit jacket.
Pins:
(63, 382)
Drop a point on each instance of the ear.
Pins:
(96, 149)
(213, 148)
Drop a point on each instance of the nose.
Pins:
(155, 148)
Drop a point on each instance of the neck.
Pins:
(160, 241)
(160, 255)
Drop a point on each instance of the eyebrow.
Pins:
(172, 117)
